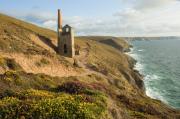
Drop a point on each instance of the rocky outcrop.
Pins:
(135, 74)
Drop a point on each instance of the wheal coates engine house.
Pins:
(65, 39)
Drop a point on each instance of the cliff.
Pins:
(100, 83)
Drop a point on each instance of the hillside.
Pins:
(100, 83)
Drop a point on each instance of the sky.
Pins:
(101, 17)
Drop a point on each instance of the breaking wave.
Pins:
(151, 91)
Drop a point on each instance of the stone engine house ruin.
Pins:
(65, 38)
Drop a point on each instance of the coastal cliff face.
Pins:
(100, 83)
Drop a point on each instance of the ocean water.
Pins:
(159, 62)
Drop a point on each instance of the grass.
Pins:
(105, 58)
(42, 62)
(15, 36)
(28, 26)
(115, 42)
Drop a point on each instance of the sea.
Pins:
(159, 62)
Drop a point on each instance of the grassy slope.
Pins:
(30, 27)
(116, 93)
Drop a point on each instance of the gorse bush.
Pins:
(8, 107)
(59, 106)
(68, 107)
(36, 94)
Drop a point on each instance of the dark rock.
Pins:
(138, 79)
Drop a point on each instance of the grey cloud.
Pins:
(149, 4)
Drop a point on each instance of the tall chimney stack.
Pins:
(59, 20)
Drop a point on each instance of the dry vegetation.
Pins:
(37, 83)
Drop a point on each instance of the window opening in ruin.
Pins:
(67, 29)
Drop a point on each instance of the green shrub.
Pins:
(64, 106)
(36, 94)
(9, 107)
(7, 93)
(137, 114)
(40, 81)
(12, 77)
(68, 107)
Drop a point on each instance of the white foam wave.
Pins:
(154, 93)
(141, 50)
(131, 49)
(139, 67)
(151, 91)
(152, 77)
(134, 55)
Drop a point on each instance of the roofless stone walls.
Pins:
(65, 38)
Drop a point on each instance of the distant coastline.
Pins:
(152, 38)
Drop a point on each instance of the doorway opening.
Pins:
(65, 49)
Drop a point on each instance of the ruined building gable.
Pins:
(65, 39)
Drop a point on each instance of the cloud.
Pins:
(39, 17)
(149, 4)
(138, 18)
(127, 22)
(43, 19)
(51, 24)
(154, 22)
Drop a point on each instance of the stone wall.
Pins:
(66, 42)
